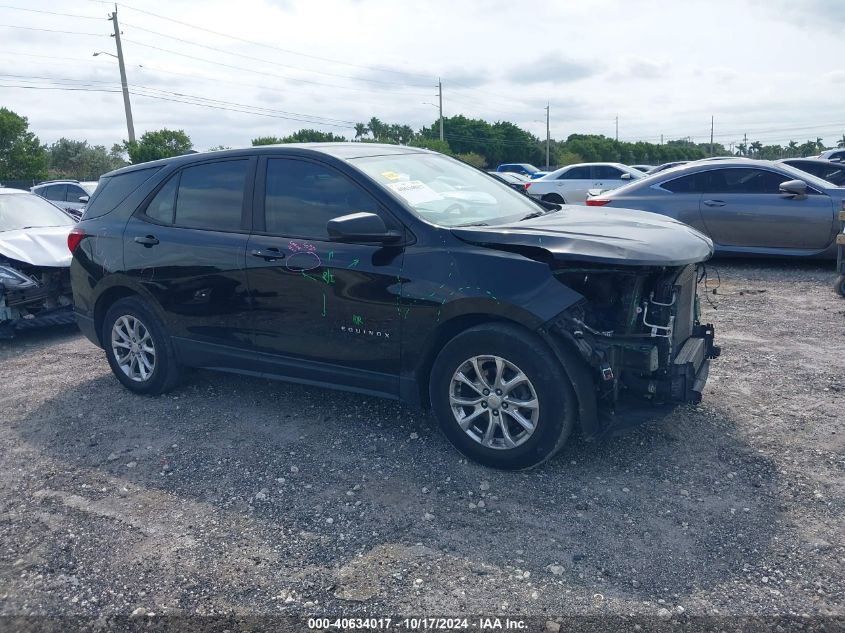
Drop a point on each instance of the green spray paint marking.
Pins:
(311, 277)
(354, 263)
(324, 304)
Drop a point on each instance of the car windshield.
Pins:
(26, 210)
(446, 192)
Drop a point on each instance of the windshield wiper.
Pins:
(471, 224)
(533, 214)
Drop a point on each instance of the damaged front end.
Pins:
(639, 331)
(33, 296)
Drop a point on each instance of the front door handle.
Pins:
(268, 254)
(715, 203)
(147, 240)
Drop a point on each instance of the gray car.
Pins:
(747, 207)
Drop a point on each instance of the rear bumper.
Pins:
(88, 328)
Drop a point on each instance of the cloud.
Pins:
(813, 15)
(552, 68)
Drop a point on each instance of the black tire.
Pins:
(166, 371)
(839, 285)
(547, 381)
(553, 198)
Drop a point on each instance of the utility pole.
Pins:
(617, 128)
(548, 137)
(661, 139)
(711, 134)
(745, 143)
(440, 97)
(130, 126)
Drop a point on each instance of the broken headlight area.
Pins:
(33, 296)
(639, 331)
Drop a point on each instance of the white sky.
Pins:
(771, 68)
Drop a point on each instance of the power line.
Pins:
(100, 86)
(266, 74)
(270, 46)
(506, 99)
(32, 28)
(67, 15)
(267, 61)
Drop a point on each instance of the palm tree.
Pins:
(792, 149)
(376, 128)
(841, 142)
(360, 130)
(756, 146)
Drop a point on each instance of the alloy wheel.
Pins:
(133, 348)
(494, 402)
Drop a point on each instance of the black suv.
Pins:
(396, 272)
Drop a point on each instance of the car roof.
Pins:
(342, 151)
(10, 190)
(811, 159)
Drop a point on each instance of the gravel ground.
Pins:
(241, 496)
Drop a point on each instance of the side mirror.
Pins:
(626, 176)
(794, 188)
(84, 199)
(361, 227)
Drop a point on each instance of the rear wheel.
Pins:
(138, 348)
(553, 198)
(501, 397)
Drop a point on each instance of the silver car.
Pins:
(747, 207)
(70, 195)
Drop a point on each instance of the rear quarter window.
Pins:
(113, 190)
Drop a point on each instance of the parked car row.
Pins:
(747, 207)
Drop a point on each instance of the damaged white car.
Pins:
(34, 263)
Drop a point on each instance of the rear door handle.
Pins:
(715, 203)
(268, 254)
(147, 240)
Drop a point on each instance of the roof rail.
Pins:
(46, 182)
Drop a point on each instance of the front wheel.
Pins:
(138, 348)
(501, 397)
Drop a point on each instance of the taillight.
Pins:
(74, 238)
(526, 185)
(596, 203)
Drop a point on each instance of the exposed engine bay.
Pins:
(33, 296)
(639, 329)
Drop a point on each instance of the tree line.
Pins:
(481, 143)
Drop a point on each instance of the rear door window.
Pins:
(211, 196)
(55, 193)
(692, 183)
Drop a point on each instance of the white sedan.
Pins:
(570, 184)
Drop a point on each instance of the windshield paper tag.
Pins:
(415, 192)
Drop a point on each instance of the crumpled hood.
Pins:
(594, 234)
(43, 246)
